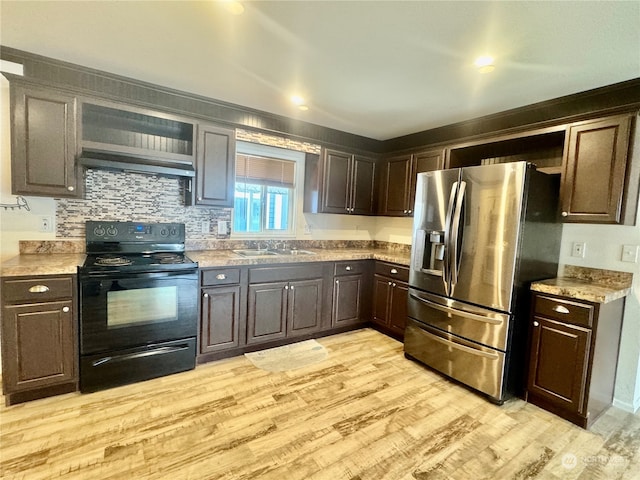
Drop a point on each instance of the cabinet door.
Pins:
(44, 146)
(347, 304)
(395, 186)
(220, 320)
(304, 306)
(267, 312)
(594, 175)
(38, 346)
(336, 182)
(381, 295)
(558, 363)
(398, 307)
(363, 186)
(215, 166)
(423, 162)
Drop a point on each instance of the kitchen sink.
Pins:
(294, 252)
(254, 252)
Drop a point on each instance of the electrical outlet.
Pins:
(222, 227)
(578, 249)
(630, 253)
(205, 226)
(307, 229)
(46, 223)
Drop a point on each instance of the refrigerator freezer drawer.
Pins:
(469, 321)
(479, 367)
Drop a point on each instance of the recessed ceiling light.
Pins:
(485, 64)
(234, 7)
(297, 99)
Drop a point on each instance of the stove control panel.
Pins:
(134, 232)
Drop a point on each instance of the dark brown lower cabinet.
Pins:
(573, 356)
(351, 293)
(390, 293)
(220, 325)
(39, 337)
(285, 301)
(223, 315)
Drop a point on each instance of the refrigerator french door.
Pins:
(481, 235)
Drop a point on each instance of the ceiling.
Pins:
(380, 69)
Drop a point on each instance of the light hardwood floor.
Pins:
(364, 413)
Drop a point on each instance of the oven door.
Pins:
(119, 311)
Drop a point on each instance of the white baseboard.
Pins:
(626, 406)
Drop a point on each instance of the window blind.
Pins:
(265, 171)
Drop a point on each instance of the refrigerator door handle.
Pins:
(455, 230)
(458, 312)
(464, 348)
(446, 266)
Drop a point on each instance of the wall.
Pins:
(603, 250)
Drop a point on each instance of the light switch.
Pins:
(222, 227)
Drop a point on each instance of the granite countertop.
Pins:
(67, 263)
(591, 284)
(42, 264)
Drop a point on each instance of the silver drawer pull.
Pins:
(348, 268)
(393, 270)
(39, 289)
(560, 309)
(536, 324)
(65, 309)
(221, 276)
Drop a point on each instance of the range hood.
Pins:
(128, 162)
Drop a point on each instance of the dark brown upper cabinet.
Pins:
(43, 142)
(339, 182)
(601, 176)
(398, 180)
(215, 166)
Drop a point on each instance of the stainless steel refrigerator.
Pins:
(481, 235)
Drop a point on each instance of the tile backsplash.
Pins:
(127, 196)
(135, 197)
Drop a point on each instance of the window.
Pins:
(264, 196)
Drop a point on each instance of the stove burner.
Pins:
(167, 258)
(113, 261)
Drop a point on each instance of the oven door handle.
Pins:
(131, 356)
(133, 275)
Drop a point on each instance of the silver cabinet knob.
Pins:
(389, 283)
(292, 287)
(393, 284)
(337, 282)
(409, 212)
(536, 324)
(565, 214)
(393, 270)
(206, 295)
(71, 188)
(65, 309)
(286, 287)
(348, 268)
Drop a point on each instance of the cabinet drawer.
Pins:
(350, 268)
(34, 290)
(564, 310)
(220, 276)
(285, 273)
(392, 270)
